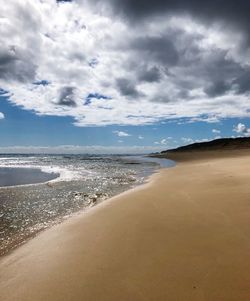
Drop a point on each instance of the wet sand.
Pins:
(183, 236)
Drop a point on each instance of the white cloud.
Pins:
(140, 137)
(95, 77)
(121, 134)
(161, 142)
(215, 131)
(242, 129)
(187, 140)
(2, 115)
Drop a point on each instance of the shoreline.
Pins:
(84, 212)
(61, 220)
(183, 235)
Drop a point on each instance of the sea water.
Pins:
(38, 191)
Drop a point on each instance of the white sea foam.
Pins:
(68, 173)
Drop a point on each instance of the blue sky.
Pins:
(25, 128)
(122, 76)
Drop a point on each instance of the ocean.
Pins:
(38, 191)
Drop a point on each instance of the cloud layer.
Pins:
(230, 11)
(126, 62)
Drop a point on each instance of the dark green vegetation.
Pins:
(218, 144)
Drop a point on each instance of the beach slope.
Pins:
(183, 236)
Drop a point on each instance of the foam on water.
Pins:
(68, 173)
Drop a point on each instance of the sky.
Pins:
(117, 76)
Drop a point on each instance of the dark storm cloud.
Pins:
(149, 75)
(177, 59)
(153, 56)
(15, 65)
(217, 89)
(224, 75)
(242, 82)
(67, 97)
(127, 88)
(211, 71)
(160, 49)
(237, 12)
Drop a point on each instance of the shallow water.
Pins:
(84, 181)
(12, 176)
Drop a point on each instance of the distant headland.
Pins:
(214, 148)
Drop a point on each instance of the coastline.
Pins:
(29, 209)
(78, 214)
(183, 235)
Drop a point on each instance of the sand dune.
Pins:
(183, 236)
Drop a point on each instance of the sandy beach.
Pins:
(185, 235)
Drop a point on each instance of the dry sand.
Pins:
(183, 236)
